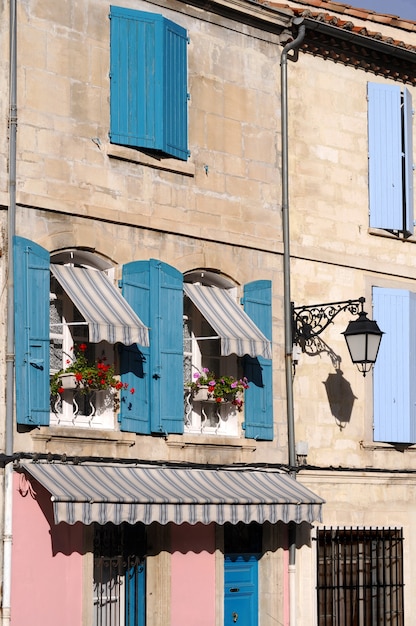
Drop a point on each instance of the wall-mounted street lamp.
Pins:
(363, 336)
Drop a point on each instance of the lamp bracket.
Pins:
(310, 321)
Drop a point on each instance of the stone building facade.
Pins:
(144, 154)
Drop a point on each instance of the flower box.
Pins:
(70, 382)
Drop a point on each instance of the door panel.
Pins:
(241, 590)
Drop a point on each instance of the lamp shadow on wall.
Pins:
(338, 390)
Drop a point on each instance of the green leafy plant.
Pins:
(88, 376)
(219, 388)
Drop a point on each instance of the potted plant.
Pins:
(86, 376)
(207, 386)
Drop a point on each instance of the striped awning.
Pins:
(109, 317)
(239, 334)
(131, 493)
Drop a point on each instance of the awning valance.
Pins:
(109, 317)
(130, 493)
(239, 334)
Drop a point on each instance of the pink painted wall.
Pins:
(46, 588)
(193, 575)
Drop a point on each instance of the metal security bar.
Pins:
(360, 577)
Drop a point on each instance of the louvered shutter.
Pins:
(148, 82)
(154, 290)
(258, 409)
(31, 318)
(395, 368)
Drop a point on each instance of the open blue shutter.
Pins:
(395, 368)
(408, 160)
(385, 156)
(166, 345)
(154, 290)
(135, 360)
(31, 319)
(258, 408)
(148, 78)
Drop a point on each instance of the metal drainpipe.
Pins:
(293, 45)
(11, 228)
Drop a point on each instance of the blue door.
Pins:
(241, 590)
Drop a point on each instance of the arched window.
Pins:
(69, 337)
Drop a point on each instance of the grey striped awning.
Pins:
(136, 493)
(109, 317)
(239, 334)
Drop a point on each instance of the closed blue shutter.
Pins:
(148, 77)
(395, 368)
(408, 160)
(154, 290)
(258, 409)
(31, 302)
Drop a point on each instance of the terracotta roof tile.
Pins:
(358, 13)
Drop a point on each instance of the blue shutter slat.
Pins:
(135, 360)
(258, 408)
(394, 371)
(408, 160)
(154, 290)
(148, 82)
(385, 156)
(31, 302)
(167, 415)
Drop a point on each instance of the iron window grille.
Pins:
(360, 577)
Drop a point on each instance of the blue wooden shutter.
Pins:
(408, 159)
(154, 290)
(31, 302)
(148, 77)
(258, 409)
(135, 360)
(385, 156)
(166, 305)
(395, 368)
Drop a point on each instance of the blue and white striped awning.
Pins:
(238, 333)
(109, 317)
(136, 493)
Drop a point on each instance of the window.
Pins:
(360, 577)
(395, 369)
(390, 155)
(202, 349)
(148, 83)
(119, 575)
(69, 329)
(56, 306)
(222, 337)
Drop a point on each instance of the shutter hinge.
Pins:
(120, 283)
